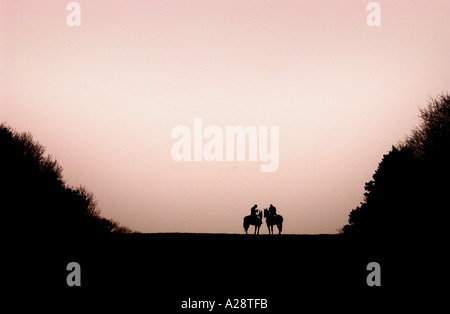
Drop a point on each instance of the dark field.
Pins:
(166, 269)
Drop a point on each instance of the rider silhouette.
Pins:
(253, 210)
(272, 210)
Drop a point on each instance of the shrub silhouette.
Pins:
(35, 197)
(409, 188)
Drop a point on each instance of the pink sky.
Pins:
(104, 97)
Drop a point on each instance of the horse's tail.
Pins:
(246, 223)
(281, 223)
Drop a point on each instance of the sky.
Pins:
(104, 98)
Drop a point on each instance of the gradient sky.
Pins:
(104, 97)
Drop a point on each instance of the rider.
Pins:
(253, 210)
(272, 210)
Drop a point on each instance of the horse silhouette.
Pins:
(274, 219)
(255, 220)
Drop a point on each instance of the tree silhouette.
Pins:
(409, 188)
(36, 199)
(431, 139)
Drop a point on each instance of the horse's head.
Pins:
(266, 212)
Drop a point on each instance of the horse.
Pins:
(255, 220)
(273, 220)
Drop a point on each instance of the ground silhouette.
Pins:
(167, 268)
